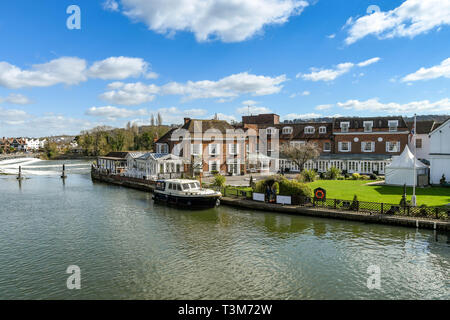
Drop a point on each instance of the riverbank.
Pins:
(411, 222)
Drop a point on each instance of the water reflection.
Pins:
(129, 247)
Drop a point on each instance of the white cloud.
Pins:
(332, 74)
(331, 36)
(152, 75)
(12, 114)
(368, 62)
(324, 106)
(15, 98)
(411, 18)
(293, 116)
(228, 87)
(67, 70)
(441, 70)
(374, 105)
(72, 71)
(18, 123)
(118, 68)
(110, 5)
(174, 115)
(226, 117)
(112, 113)
(253, 110)
(229, 21)
(130, 93)
(249, 102)
(304, 93)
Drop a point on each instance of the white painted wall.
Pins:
(440, 153)
(424, 152)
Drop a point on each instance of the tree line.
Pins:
(102, 140)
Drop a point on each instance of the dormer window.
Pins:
(271, 130)
(322, 130)
(368, 125)
(393, 125)
(287, 130)
(309, 130)
(345, 126)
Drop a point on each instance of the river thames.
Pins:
(127, 247)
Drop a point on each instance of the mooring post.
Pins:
(19, 177)
(63, 175)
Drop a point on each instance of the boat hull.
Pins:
(187, 202)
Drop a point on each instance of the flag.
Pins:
(413, 132)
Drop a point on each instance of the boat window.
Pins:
(161, 186)
(193, 186)
(186, 186)
(197, 185)
(170, 186)
(179, 187)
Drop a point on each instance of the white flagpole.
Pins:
(413, 199)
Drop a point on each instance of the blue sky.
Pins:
(297, 58)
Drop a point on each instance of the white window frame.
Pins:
(200, 146)
(217, 146)
(162, 148)
(349, 146)
(347, 123)
(326, 150)
(310, 130)
(297, 143)
(389, 143)
(371, 126)
(322, 130)
(287, 130)
(230, 148)
(364, 144)
(391, 124)
(215, 162)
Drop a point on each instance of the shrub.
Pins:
(322, 175)
(442, 181)
(347, 175)
(373, 176)
(341, 178)
(356, 176)
(364, 177)
(219, 181)
(294, 188)
(214, 172)
(260, 187)
(308, 175)
(333, 173)
(283, 186)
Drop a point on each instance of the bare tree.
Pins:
(300, 154)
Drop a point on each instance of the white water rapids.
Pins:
(37, 167)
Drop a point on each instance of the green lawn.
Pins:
(345, 190)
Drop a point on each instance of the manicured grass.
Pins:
(345, 190)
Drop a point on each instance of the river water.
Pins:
(127, 247)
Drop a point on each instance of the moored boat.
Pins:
(185, 193)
